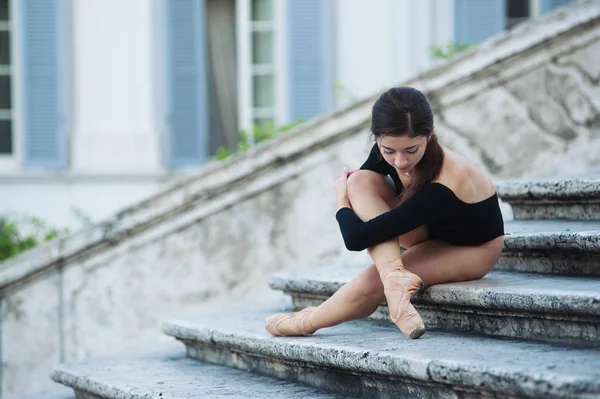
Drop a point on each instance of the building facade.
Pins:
(102, 102)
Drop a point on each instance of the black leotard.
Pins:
(446, 216)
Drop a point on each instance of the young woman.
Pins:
(438, 206)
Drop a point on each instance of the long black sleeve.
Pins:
(431, 202)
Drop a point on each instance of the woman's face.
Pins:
(402, 152)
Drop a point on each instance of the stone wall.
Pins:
(524, 104)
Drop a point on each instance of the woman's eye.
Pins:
(412, 152)
(388, 152)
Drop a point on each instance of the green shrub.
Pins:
(450, 51)
(260, 132)
(19, 234)
(29, 233)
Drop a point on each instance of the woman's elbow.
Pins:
(354, 244)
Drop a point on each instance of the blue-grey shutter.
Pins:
(550, 5)
(309, 50)
(187, 113)
(43, 121)
(477, 20)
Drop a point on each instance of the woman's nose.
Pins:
(400, 162)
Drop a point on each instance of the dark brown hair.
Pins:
(405, 111)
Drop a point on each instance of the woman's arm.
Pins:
(431, 202)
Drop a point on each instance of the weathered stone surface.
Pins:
(272, 208)
(31, 336)
(577, 237)
(437, 365)
(576, 198)
(170, 375)
(501, 304)
(570, 248)
(211, 260)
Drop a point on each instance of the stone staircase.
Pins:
(529, 329)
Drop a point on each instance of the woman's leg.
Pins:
(355, 300)
(370, 197)
(434, 261)
(361, 296)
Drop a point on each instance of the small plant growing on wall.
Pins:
(260, 133)
(451, 50)
(19, 234)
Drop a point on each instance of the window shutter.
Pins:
(477, 20)
(309, 52)
(43, 84)
(187, 113)
(550, 5)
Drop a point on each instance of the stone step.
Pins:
(570, 248)
(172, 375)
(575, 198)
(518, 305)
(373, 359)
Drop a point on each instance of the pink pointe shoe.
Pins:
(290, 324)
(399, 285)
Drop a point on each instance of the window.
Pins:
(517, 11)
(6, 140)
(263, 62)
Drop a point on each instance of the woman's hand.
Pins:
(341, 189)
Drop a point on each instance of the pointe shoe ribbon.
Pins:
(399, 286)
(290, 324)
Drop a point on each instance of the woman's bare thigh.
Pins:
(437, 262)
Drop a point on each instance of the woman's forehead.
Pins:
(400, 141)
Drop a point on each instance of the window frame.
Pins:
(10, 162)
(247, 70)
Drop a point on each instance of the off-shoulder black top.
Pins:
(435, 205)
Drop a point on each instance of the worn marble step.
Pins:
(575, 198)
(375, 360)
(171, 375)
(570, 248)
(518, 305)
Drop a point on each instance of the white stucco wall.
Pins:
(114, 118)
(55, 199)
(382, 42)
(115, 87)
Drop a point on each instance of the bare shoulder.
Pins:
(466, 181)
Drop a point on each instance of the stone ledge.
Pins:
(573, 188)
(172, 375)
(501, 304)
(576, 198)
(378, 357)
(568, 248)
(548, 295)
(550, 235)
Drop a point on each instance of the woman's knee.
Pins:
(363, 181)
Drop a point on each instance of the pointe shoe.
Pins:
(290, 324)
(398, 286)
